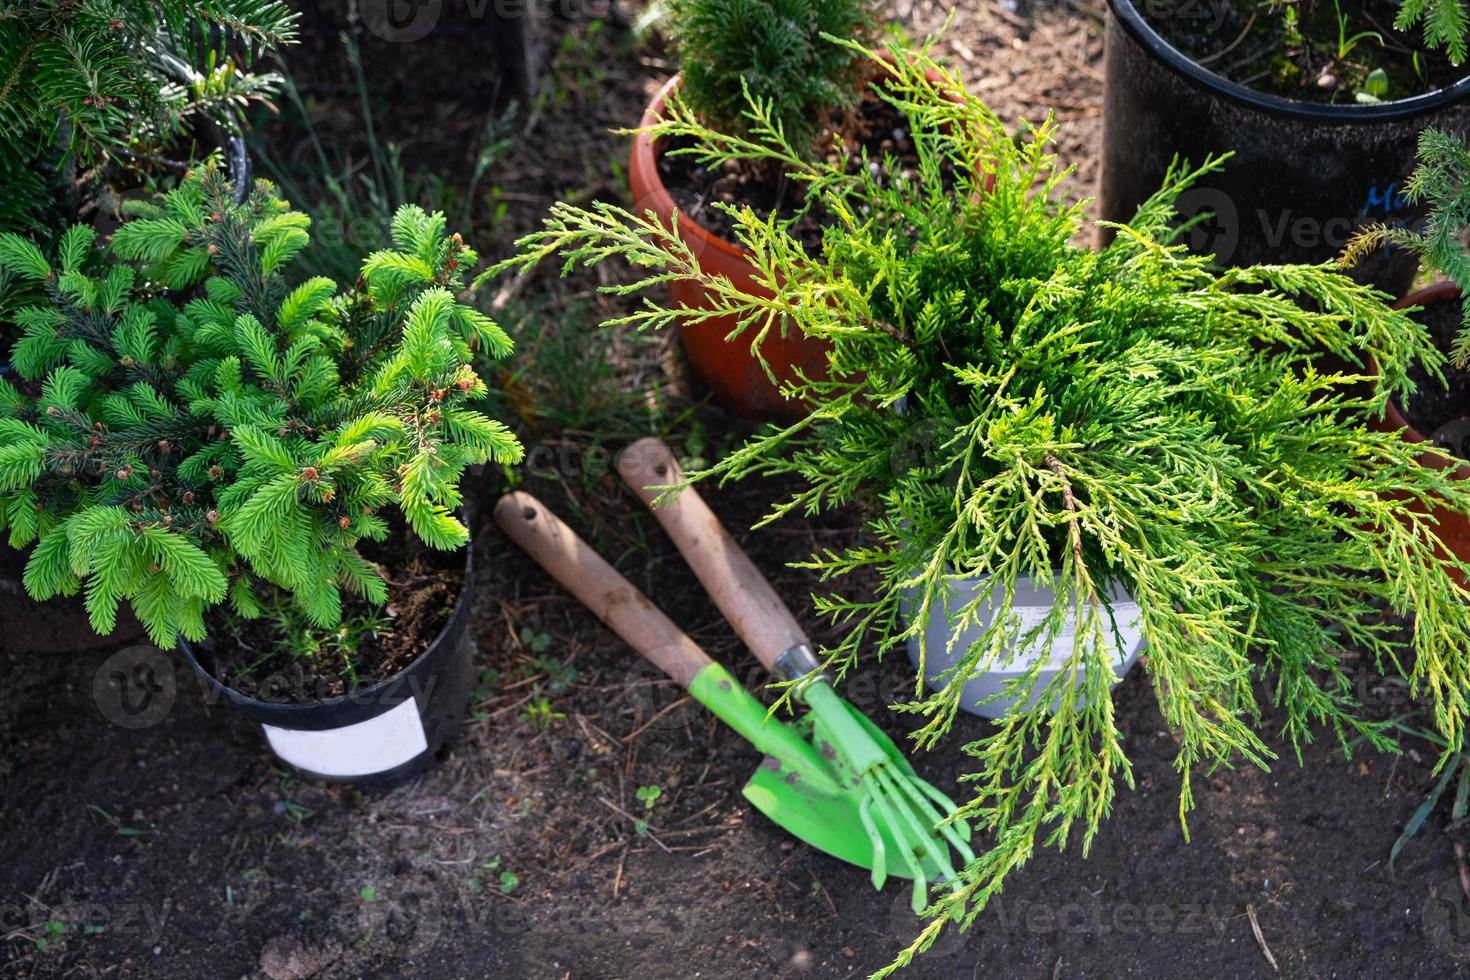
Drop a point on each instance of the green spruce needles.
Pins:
(203, 429)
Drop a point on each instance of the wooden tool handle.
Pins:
(585, 574)
(727, 573)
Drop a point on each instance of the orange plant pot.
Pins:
(1453, 527)
(726, 367)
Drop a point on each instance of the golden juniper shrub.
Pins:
(1002, 402)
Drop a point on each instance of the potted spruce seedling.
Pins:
(814, 90)
(1061, 453)
(100, 101)
(267, 475)
(1319, 101)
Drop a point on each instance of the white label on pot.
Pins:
(368, 747)
(1125, 614)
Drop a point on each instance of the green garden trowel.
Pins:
(881, 816)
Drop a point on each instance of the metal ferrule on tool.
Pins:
(800, 666)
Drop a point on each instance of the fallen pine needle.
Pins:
(618, 878)
(1256, 928)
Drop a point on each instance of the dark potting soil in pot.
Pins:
(1441, 411)
(1253, 45)
(257, 657)
(873, 127)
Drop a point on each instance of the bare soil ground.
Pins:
(177, 850)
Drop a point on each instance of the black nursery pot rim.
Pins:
(1181, 64)
(230, 141)
(279, 711)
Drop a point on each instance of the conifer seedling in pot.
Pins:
(1161, 446)
(267, 474)
(101, 101)
(779, 51)
(99, 98)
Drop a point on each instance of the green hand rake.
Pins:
(880, 816)
(909, 825)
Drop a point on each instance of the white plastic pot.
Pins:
(1033, 601)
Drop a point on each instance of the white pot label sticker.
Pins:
(1125, 614)
(363, 749)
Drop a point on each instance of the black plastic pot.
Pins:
(1304, 175)
(379, 735)
(237, 161)
(57, 625)
(89, 201)
(210, 133)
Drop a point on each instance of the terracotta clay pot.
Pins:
(726, 367)
(1453, 527)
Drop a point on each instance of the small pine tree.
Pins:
(777, 51)
(1002, 403)
(89, 84)
(202, 427)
